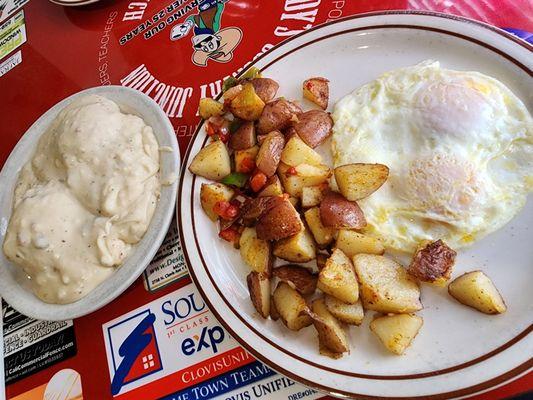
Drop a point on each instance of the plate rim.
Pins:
(477, 388)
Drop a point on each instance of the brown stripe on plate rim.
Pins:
(460, 392)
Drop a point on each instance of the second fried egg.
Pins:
(459, 146)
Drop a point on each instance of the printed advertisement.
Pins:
(8, 7)
(12, 34)
(31, 345)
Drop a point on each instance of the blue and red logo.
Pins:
(134, 350)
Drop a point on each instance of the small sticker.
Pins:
(10, 63)
(8, 7)
(64, 385)
(12, 34)
(31, 345)
(168, 264)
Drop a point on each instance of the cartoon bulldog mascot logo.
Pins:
(209, 41)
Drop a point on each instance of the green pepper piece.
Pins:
(235, 179)
(251, 73)
(229, 83)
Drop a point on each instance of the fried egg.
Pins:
(459, 146)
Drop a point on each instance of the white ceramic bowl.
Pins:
(14, 286)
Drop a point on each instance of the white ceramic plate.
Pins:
(458, 351)
(13, 282)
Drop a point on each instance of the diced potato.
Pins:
(306, 175)
(352, 243)
(270, 153)
(396, 332)
(385, 285)
(296, 152)
(294, 201)
(241, 155)
(357, 181)
(209, 108)
(322, 234)
(212, 193)
(352, 314)
(313, 127)
(338, 279)
(331, 335)
(316, 90)
(244, 136)
(212, 162)
(291, 307)
(475, 289)
(300, 278)
(321, 260)
(259, 288)
(312, 195)
(433, 262)
(337, 212)
(274, 314)
(279, 222)
(247, 104)
(256, 252)
(299, 248)
(273, 187)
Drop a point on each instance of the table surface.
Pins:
(68, 49)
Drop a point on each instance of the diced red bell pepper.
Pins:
(257, 181)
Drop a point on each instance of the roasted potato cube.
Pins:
(475, 289)
(337, 212)
(433, 262)
(279, 222)
(305, 175)
(270, 153)
(291, 307)
(296, 152)
(396, 332)
(265, 88)
(299, 278)
(273, 187)
(212, 193)
(253, 208)
(294, 201)
(241, 155)
(212, 162)
(209, 108)
(278, 115)
(385, 285)
(316, 90)
(256, 252)
(259, 288)
(313, 127)
(231, 92)
(244, 137)
(357, 181)
(322, 234)
(312, 195)
(338, 279)
(321, 260)
(331, 335)
(247, 104)
(298, 248)
(352, 243)
(274, 314)
(352, 314)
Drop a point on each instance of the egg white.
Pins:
(459, 146)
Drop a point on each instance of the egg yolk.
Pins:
(442, 184)
(454, 109)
